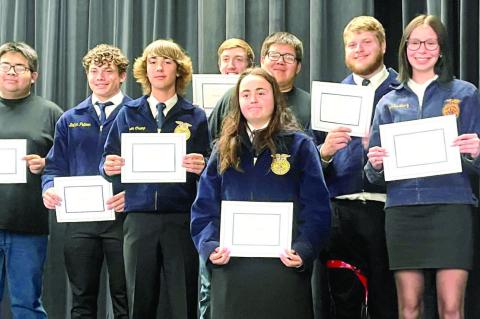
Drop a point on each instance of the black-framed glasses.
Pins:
(430, 44)
(287, 57)
(18, 68)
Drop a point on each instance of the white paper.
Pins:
(83, 199)
(256, 229)
(153, 158)
(13, 169)
(336, 104)
(420, 148)
(208, 89)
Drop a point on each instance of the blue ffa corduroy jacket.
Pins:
(78, 144)
(402, 105)
(136, 117)
(303, 185)
(345, 174)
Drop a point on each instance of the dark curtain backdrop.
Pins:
(62, 31)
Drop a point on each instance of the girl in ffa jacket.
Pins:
(428, 220)
(262, 156)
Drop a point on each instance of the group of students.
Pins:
(257, 145)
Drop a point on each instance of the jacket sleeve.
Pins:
(113, 146)
(470, 123)
(56, 161)
(381, 117)
(205, 213)
(313, 220)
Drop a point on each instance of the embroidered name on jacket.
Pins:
(79, 124)
(399, 106)
(451, 107)
(137, 128)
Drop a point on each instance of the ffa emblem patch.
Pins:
(183, 127)
(280, 164)
(451, 107)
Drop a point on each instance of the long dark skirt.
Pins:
(260, 288)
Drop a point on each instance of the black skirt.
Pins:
(429, 236)
(260, 288)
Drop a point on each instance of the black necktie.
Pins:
(160, 115)
(365, 82)
(103, 115)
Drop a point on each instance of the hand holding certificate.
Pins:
(84, 198)
(420, 148)
(153, 158)
(256, 229)
(336, 104)
(13, 168)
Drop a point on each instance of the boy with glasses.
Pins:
(23, 218)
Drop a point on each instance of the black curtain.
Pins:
(62, 31)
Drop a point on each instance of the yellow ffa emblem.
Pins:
(183, 127)
(280, 164)
(451, 107)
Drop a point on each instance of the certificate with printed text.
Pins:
(336, 104)
(13, 169)
(83, 199)
(256, 229)
(208, 89)
(153, 158)
(420, 148)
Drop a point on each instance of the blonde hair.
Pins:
(104, 54)
(233, 43)
(364, 23)
(170, 50)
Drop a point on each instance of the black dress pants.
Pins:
(87, 245)
(156, 242)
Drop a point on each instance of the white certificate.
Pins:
(83, 199)
(208, 89)
(153, 157)
(256, 229)
(336, 104)
(420, 148)
(13, 169)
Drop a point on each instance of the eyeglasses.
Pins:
(18, 68)
(287, 57)
(430, 44)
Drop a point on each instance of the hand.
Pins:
(117, 202)
(468, 144)
(113, 165)
(375, 157)
(194, 163)
(35, 163)
(221, 256)
(336, 139)
(51, 199)
(290, 259)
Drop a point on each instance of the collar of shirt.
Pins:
(419, 89)
(116, 100)
(251, 129)
(152, 102)
(375, 81)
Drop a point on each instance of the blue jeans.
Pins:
(21, 260)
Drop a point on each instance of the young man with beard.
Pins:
(281, 56)
(77, 151)
(358, 235)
